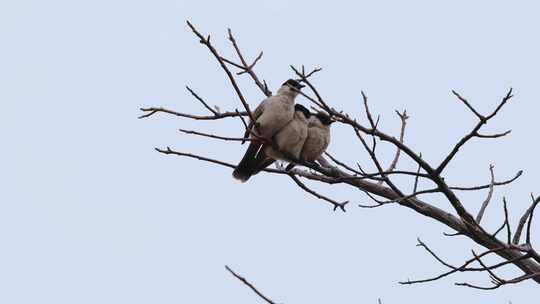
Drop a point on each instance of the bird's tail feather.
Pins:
(244, 169)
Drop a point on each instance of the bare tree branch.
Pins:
(248, 284)
(249, 68)
(496, 135)
(464, 268)
(403, 117)
(214, 136)
(206, 42)
(528, 237)
(489, 185)
(522, 221)
(416, 178)
(342, 164)
(454, 269)
(488, 198)
(202, 101)
(318, 195)
(508, 230)
(191, 155)
(468, 105)
(482, 121)
(384, 190)
(152, 110)
(496, 280)
(408, 196)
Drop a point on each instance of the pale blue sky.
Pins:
(90, 213)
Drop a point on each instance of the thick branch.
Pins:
(412, 203)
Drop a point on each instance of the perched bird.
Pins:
(270, 116)
(289, 141)
(317, 140)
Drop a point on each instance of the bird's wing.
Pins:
(256, 114)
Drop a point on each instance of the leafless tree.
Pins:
(380, 186)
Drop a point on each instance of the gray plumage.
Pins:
(272, 114)
(318, 137)
(289, 142)
(291, 138)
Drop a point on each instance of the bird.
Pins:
(289, 141)
(270, 116)
(317, 140)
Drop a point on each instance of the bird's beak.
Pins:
(300, 83)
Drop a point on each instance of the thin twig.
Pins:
(215, 136)
(318, 195)
(488, 198)
(416, 178)
(153, 110)
(248, 284)
(249, 67)
(496, 135)
(463, 223)
(206, 42)
(319, 102)
(480, 117)
(403, 117)
(482, 120)
(506, 182)
(508, 230)
(453, 269)
(342, 164)
(496, 280)
(202, 101)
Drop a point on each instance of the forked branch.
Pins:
(381, 186)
